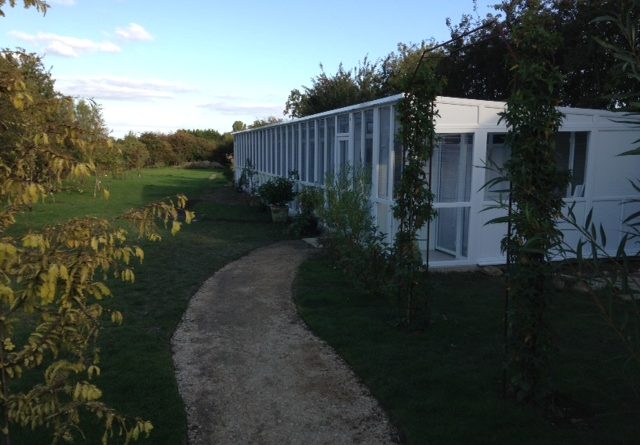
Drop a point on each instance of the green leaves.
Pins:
(413, 203)
(533, 121)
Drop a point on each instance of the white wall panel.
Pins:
(454, 114)
(611, 173)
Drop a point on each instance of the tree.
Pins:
(264, 122)
(135, 153)
(475, 64)
(344, 88)
(535, 205)
(160, 150)
(238, 126)
(413, 207)
(52, 282)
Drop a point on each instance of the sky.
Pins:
(161, 66)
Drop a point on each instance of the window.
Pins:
(498, 152)
(331, 135)
(303, 152)
(452, 168)
(397, 154)
(296, 143)
(368, 139)
(321, 140)
(383, 153)
(343, 152)
(357, 140)
(571, 156)
(311, 177)
(343, 124)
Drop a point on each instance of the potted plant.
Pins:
(278, 193)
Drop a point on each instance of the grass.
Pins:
(133, 191)
(137, 369)
(444, 386)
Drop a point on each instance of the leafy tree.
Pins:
(209, 134)
(344, 88)
(623, 46)
(614, 274)
(238, 126)
(475, 64)
(413, 207)
(535, 205)
(160, 150)
(189, 147)
(134, 152)
(476, 67)
(264, 122)
(53, 282)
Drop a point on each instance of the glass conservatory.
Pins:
(470, 137)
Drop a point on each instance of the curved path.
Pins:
(250, 372)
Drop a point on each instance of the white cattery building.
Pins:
(469, 132)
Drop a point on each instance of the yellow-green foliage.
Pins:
(53, 282)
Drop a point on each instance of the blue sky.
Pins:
(160, 65)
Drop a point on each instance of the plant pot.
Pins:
(279, 214)
(255, 201)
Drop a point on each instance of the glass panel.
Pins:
(278, 150)
(303, 152)
(497, 155)
(383, 152)
(343, 152)
(452, 160)
(290, 164)
(259, 141)
(382, 213)
(579, 164)
(282, 149)
(368, 141)
(331, 135)
(397, 154)
(452, 232)
(563, 150)
(272, 142)
(343, 123)
(312, 152)
(321, 141)
(357, 140)
(296, 143)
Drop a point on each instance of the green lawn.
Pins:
(443, 386)
(137, 369)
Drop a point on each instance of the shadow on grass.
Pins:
(443, 386)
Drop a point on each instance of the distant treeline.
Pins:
(159, 149)
(80, 130)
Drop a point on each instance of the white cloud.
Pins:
(66, 46)
(121, 88)
(134, 32)
(240, 106)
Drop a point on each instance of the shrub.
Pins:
(352, 239)
(305, 223)
(277, 191)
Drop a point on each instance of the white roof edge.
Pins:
(443, 100)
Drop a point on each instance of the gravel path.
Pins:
(250, 372)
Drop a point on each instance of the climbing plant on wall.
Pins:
(536, 201)
(414, 200)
